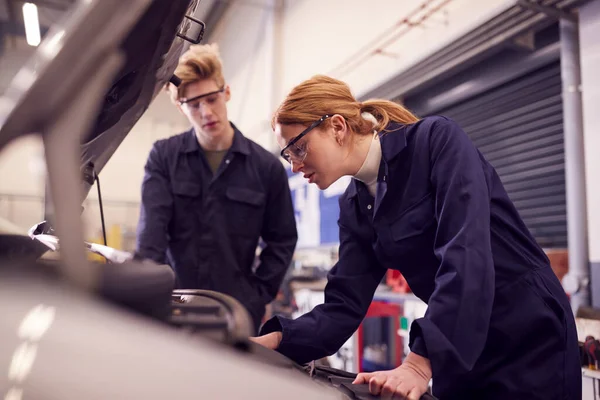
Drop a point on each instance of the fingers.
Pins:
(401, 391)
(388, 389)
(376, 384)
(363, 378)
(415, 394)
(389, 386)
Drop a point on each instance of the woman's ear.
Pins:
(340, 129)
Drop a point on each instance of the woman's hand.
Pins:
(408, 381)
(270, 340)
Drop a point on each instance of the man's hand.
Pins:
(270, 340)
(408, 381)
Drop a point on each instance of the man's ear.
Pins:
(174, 96)
(227, 93)
(180, 109)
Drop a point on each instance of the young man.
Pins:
(209, 195)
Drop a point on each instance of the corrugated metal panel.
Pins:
(519, 129)
(476, 45)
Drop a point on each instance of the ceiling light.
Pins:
(32, 24)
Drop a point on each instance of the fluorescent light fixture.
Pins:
(32, 24)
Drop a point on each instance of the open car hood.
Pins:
(152, 50)
(149, 49)
(85, 87)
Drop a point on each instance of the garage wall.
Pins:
(590, 59)
(336, 37)
(22, 164)
(270, 45)
(245, 36)
(22, 173)
(267, 46)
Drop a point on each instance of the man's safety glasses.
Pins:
(193, 103)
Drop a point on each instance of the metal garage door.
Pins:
(519, 129)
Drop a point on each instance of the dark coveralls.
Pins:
(498, 323)
(207, 227)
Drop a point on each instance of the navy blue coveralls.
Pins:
(498, 323)
(207, 227)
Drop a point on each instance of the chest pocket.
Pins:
(186, 201)
(407, 229)
(186, 190)
(244, 210)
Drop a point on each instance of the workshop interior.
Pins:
(86, 94)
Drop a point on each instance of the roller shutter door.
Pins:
(519, 129)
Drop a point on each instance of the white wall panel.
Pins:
(333, 36)
(320, 36)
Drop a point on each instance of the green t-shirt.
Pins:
(214, 159)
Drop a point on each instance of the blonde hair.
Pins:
(321, 95)
(197, 63)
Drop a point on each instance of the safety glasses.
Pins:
(193, 103)
(293, 152)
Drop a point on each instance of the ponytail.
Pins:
(386, 111)
(323, 95)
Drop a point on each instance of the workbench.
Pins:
(594, 375)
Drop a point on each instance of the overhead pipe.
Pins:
(375, 47)
(411, 25)
(374, 44)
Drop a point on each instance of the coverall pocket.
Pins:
(245, 210)
(247, 196)
(186, 189)
(413, 220)
(186, 197)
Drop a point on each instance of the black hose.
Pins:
(101, 207)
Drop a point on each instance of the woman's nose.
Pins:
(296, 166)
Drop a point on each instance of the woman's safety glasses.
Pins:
(297, 153)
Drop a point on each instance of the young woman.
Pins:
(425, 201)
